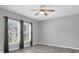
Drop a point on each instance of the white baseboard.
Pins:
(60, 46)
(35, 43)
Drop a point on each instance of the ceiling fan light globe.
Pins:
(42, 13)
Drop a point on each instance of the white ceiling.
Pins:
(60, 10)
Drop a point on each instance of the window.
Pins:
(27, 31)
(13, 31)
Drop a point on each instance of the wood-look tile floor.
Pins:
(44, 49)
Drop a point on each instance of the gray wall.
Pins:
(19, 17)
(63, 31)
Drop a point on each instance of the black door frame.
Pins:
(21, 45)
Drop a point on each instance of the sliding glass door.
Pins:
(13, 34)
(26, 33)
(17, 34)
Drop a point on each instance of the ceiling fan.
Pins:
(43, 10)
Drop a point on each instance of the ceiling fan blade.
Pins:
(34, 10)
(37, 13)
(51, 10)
(45, 14)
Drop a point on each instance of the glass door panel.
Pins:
(13, 34)
(27, 33)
